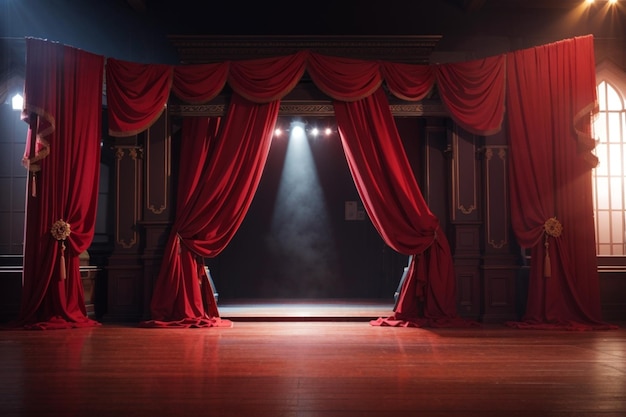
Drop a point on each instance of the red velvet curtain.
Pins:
(221, 166)
(63, 104)
(551, 94)
(216, 190)
(382, 173)
(392, 199)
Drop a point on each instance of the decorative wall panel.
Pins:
(158, 170)
(465, 172)
(497, 222)
(128, 195)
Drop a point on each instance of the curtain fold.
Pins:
(136, 95)
(64, 92)
(394, 203)
(408, 81)
(199, 83)
(474, 93)
(344, 79)
(269, 79)
(221, 166)
(549, 88)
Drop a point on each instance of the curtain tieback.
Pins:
(61, 230)
(552, 227)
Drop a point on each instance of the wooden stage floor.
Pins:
(311, 367)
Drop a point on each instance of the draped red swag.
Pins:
(550, 170)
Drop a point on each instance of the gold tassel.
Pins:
(547, 266)
(62, 266)
(33, 185)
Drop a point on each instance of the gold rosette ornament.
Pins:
(551, 228)
(61, 230)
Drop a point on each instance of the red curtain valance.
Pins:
(136, 95)
(473, 92)
(199, 83)
(266, 80)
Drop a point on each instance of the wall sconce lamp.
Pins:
(17, 102)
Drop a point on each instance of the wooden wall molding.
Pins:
(496, 195)
(157, 169)
(312, 108)
(127, 168)
(465, 177)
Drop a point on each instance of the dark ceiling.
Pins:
(474, 26)
(390, 17)
(142, 30)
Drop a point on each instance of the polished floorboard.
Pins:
(311, 367)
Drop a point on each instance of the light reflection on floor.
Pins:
(322, 309)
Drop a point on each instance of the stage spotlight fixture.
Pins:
(297, 130)
(608, 1)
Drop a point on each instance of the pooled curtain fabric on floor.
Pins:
(63, 104)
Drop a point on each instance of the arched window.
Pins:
(609, 177)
